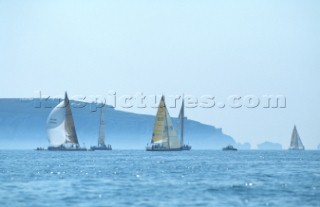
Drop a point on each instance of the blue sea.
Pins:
(140, 178)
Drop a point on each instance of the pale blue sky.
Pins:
(172, 47)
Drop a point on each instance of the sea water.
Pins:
(140, 178)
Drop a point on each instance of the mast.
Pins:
(101, 140)
(166, 123)
(293, 143)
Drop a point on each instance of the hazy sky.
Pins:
(172, 47)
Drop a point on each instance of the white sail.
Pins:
(163, 131)
(296, 143)
(173, 138)
(101, 140)
(60, 125)
(181, 120)
(55, 125)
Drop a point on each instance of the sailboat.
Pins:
(101, 139)
(164, 137)
(61, 130)
(295, 143)
(181, 119)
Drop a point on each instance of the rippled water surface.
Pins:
(140, 178)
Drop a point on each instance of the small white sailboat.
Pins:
(164, 137)
(296, 143)
(61, 130)
(181, 119)
(101, 139)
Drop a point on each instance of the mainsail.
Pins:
(101, 129)
(181, 119)
(60, 125)
(296, 143)
(163, 131)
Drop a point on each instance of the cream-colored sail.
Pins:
(60, 125)
(101, 140)
(163, 131)
(158, 130)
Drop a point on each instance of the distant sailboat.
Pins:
(61, 130)
(181, 117)
(295, 143)
(164, 137)
(101, 139)
(229, 148)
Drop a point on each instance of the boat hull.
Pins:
(101, 148)
(229, 150)
(161, 149)
(186, 147)
(66, 149)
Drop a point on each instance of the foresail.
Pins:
(56, 125)
(299, 142)
(300, 145)
(171, 135)
(101, 140)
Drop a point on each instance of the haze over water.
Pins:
(221, 49)
(140, 178)
(207, 47)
